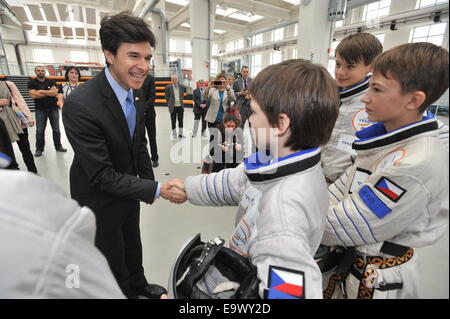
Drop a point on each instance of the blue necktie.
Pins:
(130, 114)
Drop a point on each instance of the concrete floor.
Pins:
(165, 226)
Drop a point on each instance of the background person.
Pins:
(17, 125)
(73, 77)
(149, 92)
(174, 96)
(240, 88)
(44, 93)
(200, 108)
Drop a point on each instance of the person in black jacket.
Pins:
(149, 92)
(200, 108)
(111, 172)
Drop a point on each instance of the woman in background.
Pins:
(73, 77)
(12, 103)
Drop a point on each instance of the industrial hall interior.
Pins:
(224, 149)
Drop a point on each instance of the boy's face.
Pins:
(385, 102)
(260, 126)
(130, 65)
(347, 74)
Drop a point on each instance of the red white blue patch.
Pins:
(285, 283)
(389, 189)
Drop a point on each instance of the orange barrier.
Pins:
(163, 82)
(163, 101)
(62, 78)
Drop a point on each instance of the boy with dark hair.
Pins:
(394, 198)
(354, 57)
(282, 198)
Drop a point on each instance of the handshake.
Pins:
(174, 191)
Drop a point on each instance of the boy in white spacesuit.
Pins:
(282, 198)
(354, 57)
(394, 198)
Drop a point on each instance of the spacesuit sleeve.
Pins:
(379, 210)
(224, 188)
(337, 190)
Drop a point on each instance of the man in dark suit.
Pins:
(174, 96)
(240, 88)
(149, 92)
(200, 108)
(111, 170)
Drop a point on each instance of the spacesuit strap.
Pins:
(344, 263)
(394, 249)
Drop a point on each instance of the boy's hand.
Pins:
(238, 146)
(174, 192)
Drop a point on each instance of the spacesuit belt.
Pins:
(365, 272)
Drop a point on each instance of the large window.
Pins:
(294, 53)
(173, 45)
(229, 46)
(380, 37)
(79, 56)
(239, 44)
(433, 33)
(43, 56)
(278, 34)
(276, 57)
(214, 49)
(376, 10)
(188, 46)
(257, 39)
(429, 3)
(256, 64)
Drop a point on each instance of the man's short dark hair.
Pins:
(359, 47)
(418, 66)
(124, 28)
(244, 67)
(306, 93)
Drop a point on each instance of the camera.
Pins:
(217, 82)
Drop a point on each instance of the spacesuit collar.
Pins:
(357, 88)
(376, 135)
(259, 167)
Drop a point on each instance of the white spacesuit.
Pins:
(280, 221)
(47, 243)
(395, 195)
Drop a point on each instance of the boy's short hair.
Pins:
(419, 66)
(359, 47)
(124, 28)
(306, 93)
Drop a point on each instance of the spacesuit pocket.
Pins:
(406, 274)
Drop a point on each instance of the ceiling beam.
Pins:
(259, 8)
(229, 26)
(180, 17)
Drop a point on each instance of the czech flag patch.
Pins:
(285, 283)
(389, 189)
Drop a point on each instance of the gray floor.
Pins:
(165, 226)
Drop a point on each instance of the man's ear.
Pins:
(109, 56)
(416, 100)
(284, 122)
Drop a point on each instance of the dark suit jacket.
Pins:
(149, 94)
(106, 163)
(170, 97)
(238, 86)
(198, 101)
